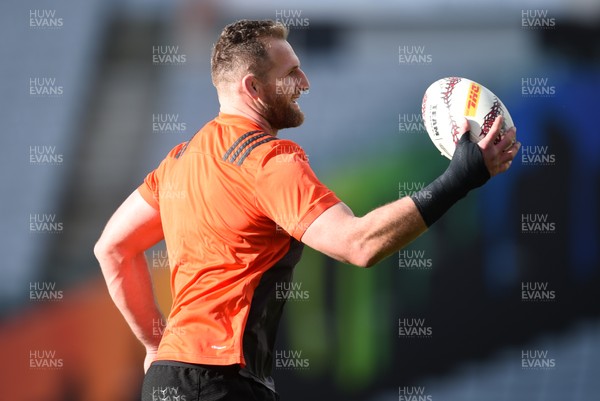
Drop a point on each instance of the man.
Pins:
(246, 202)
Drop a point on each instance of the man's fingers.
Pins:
(464, 127)
(506, 158)
(492, 133)
(511, 152)
(508, 139)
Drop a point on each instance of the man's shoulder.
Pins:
(255, 147)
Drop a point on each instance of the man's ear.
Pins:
(251, 86)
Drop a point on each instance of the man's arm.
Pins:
(364, 241)
(133, 228)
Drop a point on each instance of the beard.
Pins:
(281, 113)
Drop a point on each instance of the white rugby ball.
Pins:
(448, 100)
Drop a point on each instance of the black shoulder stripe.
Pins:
(244, 145)
(236, 143)
(247, 152)
(183, 148)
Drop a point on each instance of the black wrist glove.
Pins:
(466, 171)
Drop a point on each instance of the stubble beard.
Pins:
(281, 113)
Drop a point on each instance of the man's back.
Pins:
(226, 199)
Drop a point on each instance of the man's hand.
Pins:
(497, 154)
(150, 356)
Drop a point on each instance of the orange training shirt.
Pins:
(234, 203)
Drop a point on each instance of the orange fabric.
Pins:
(225, 225)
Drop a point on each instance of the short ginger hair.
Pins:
(241, 49)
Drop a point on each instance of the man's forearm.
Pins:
(364, 241)
(389, 228)
(130, 287)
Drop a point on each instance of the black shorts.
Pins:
(175, 381)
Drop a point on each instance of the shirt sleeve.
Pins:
(149, 189)
(288, 191)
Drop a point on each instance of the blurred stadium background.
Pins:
(84, 83)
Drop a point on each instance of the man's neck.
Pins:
(250, 114)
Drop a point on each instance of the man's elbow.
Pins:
(365, 261)
(101, 248)
(363, 256)
(105, 250)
